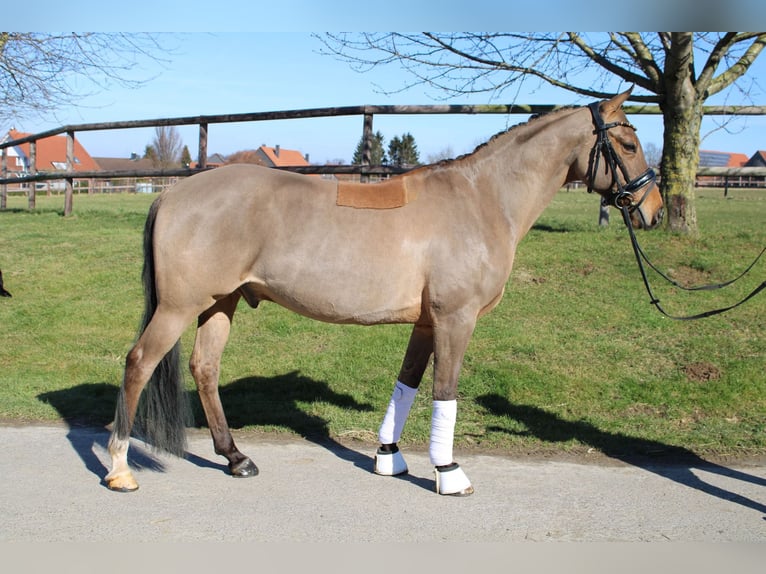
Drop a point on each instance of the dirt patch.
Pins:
(521, 275)
(702, 372)
(689, 276)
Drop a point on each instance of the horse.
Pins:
(433, 248)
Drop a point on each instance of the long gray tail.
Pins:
(164, 410)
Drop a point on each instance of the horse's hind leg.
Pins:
(153, 346)
(212, 333)
(388, 460)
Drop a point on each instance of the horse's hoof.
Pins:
(121, 483)
(451, 480)
(243, 469)
(389, 463)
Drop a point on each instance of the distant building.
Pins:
(721, 159)
(710, 158)
(50, 157)
(758, 160)
(278, 157)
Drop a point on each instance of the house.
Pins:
(215, 160)
(721, 159)
(757, 160)
(278, 157)
(132, 163)
(710, 158)
(129, 184)
(50, 157)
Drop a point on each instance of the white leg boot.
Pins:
(391, 462)
(450, 478)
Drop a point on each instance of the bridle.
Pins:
(623, 199)
(621, 196)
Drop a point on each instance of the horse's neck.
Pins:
(528, 165)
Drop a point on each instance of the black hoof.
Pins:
(243, 469)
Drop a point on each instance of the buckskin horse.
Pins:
(433, 247)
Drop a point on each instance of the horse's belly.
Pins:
(362, 304)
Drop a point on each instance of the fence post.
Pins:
(69, 189)
(32, 193)
(366, 146)
(603, 213)
(4, 172)
(202, 154)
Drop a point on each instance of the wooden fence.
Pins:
(364, 170)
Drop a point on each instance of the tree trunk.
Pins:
(682, 114)
(680, 159)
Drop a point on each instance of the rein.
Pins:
(622, 199)
(641, 257)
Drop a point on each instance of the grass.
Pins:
(573, 358)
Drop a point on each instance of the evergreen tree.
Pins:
(403, 151)
(185, 157)
(377, 151)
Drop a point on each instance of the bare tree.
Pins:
(165, 147)
(40, 73)
(653, 154)
(678, 71)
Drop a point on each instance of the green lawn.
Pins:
(573, 358)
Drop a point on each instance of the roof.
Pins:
(709, 158)
(279, 157)
(758, 159)
(51, 153)
(737, 160)
(215, 160)
(248, 156)
(123, 163)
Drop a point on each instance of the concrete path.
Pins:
(53, 491)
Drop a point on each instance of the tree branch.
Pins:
(736, 70)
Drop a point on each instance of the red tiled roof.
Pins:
(280, 157)
(737, 160)
(53, 149)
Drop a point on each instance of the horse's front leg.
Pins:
(389, 460)
(212, 333)
(450, 342)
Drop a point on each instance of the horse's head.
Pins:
(615, 166)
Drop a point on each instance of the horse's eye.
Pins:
(629, 147)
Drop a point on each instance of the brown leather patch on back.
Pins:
(387, 194)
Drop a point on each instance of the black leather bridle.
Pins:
(623, 198)
(621, 195)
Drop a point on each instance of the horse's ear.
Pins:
(616, 102)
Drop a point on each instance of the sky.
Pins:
(215, 67)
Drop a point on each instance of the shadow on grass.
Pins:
(253, 401)
(671, 462)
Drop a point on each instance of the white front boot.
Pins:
(389, 463)
(452, 480)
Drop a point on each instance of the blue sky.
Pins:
(233, 71)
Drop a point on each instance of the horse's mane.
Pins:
(532, 119)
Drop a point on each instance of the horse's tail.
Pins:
(164, 410)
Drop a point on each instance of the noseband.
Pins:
(622, 196)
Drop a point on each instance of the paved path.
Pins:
(52, 491)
